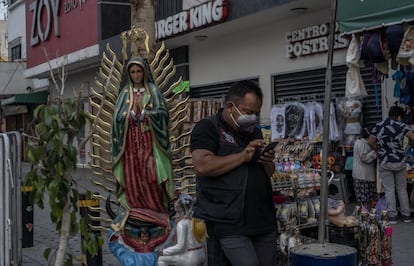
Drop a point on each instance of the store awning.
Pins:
(359, 15)
(28, 98)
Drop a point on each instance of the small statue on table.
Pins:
(386, 239)
(373, 241)
(284, 241)
(296, 239)
(363, 236)
(189, 234)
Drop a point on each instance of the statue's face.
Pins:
(145, 236)
(136, 74)
(287, 227)
(177, 206)
(297, 231)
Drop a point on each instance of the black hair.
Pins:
(239, 89)
(395, 112)
(366, 133)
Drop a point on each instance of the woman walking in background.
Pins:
(364, 171)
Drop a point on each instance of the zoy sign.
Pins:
(45, 14)
(40, 32)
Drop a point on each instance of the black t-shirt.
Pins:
(259, 216)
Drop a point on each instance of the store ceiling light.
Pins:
(201, 37)
(299, 10)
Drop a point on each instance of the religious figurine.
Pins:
(295, 239)
(141, 163)
(284, 241)
(363, 236)
(132, 154)
(373, 241)
(189, 249)
(336, 214)
(386, 240)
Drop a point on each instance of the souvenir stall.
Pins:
(297, 128)
(383, 35)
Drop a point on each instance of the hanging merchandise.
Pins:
(400, 82)
(405, 94)
(363, 46)
(394, 35)
(277, 121)
(352, 110)
(377, 50)
(376, 80)
(294, 120)
(314, 121)
(335, 134)
(354, 84)
(406, 52)
(409, 75)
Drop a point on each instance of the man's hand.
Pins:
(251, 148)
(266, 159)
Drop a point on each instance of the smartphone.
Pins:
(269, 147)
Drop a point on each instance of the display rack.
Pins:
(184, 176)
(298, 181)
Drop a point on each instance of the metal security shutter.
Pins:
(213, 91)
(310, 85)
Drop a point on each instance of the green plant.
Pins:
(53, 155)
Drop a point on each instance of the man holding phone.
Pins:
(234, 194)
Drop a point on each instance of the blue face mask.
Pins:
(245, 123)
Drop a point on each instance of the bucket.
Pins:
(316, 254)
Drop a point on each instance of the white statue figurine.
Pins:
(188, 251)
(295, 239)
(283, 242)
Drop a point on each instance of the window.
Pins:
(16, 52)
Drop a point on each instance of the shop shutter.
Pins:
(213, 91)
(309, 85)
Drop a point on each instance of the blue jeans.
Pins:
(395, 180)
(258, 250)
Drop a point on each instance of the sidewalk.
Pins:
(45, 235)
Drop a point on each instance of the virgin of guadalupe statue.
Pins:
(131, 152)
(141, 160)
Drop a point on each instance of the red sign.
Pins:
(59, 27)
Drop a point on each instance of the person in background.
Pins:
(234, 194)
(364, 171)
(387, 137)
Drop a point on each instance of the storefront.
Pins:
(285, 52)
(281, 46)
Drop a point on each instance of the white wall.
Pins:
(11, 78)
(17, 25)
(74, 83)
(258, 52)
